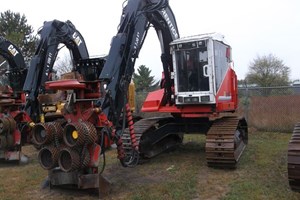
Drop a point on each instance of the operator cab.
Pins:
(200, 64)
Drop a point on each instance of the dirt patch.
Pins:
(123, 179)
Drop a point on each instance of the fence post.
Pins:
(246, 103)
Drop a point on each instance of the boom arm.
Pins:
(52, 34)
(137, 17)
(17, 67)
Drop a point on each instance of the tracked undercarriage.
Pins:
(226, 138)
(294, 159)
(225, 142)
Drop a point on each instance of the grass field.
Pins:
(182, 174)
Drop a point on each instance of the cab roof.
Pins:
(214, 36)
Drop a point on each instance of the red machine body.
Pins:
(208, 57)
(200, 92)
(154, 101)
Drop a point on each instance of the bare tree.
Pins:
(3, 68)
(63, 63)
(268, 71)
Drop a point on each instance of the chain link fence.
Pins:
(270, 108)
(275, 109)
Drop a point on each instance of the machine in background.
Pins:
(15, 124)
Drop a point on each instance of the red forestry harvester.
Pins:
(14, 123)
(199, 84)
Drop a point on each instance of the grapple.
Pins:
(73, 138)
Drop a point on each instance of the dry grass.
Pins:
(182, 174)
(18, 181)
(273, 113)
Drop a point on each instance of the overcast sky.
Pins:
(256, 27)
